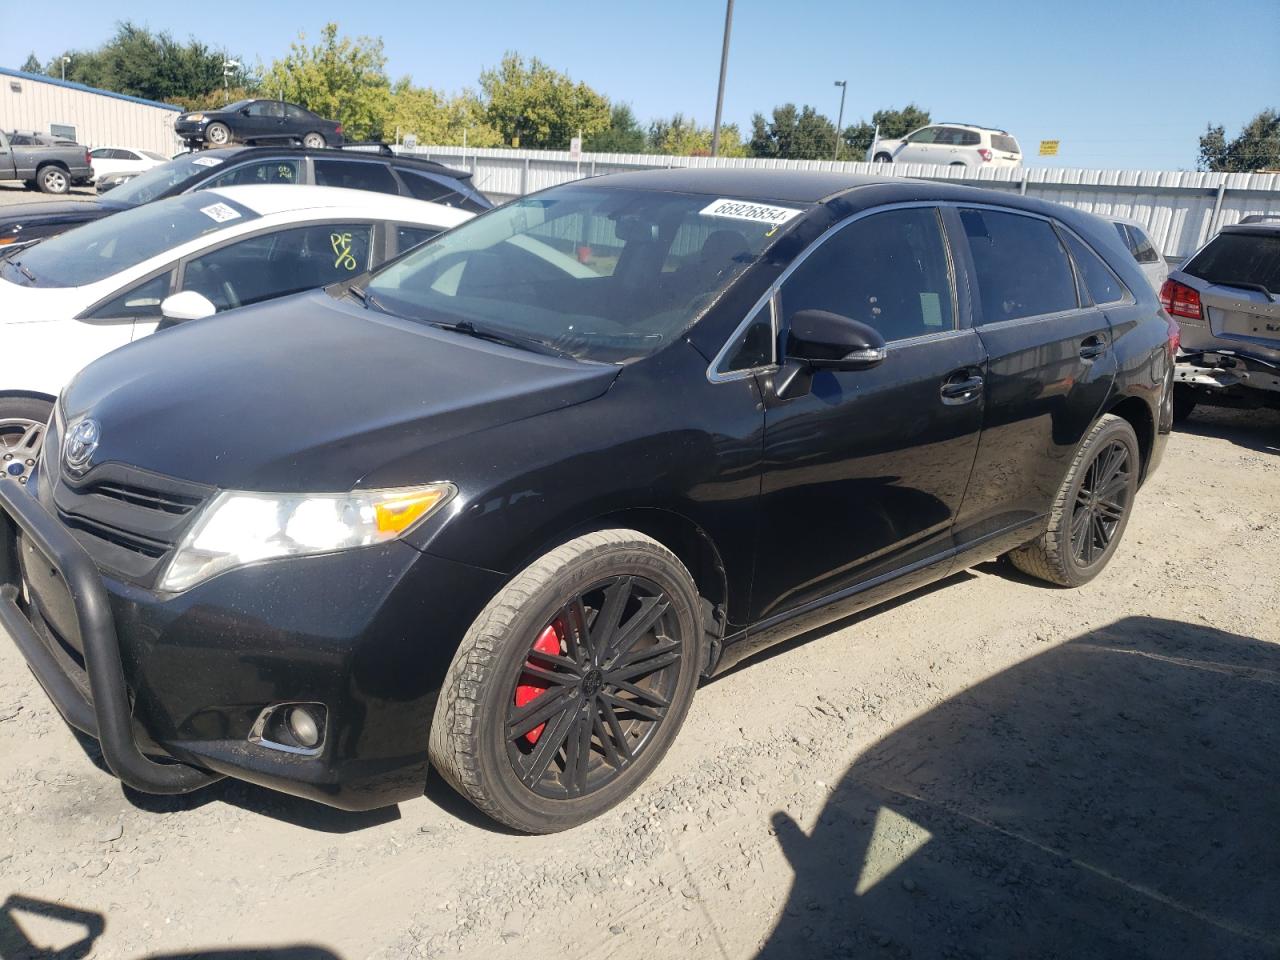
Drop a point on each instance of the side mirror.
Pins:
(244, 111)
(819, 340)
(187, 305)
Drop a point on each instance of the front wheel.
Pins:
(217, 134)
(313, 141)
(22, 422)
(572, 683)
(1091, 510)
(53, 179)
(882, 158)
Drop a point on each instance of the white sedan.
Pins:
(68, 300)
(108, 160)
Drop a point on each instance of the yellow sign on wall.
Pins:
(1048, 148)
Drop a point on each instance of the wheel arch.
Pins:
(27, 395)
(1137, 412)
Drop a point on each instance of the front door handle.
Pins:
(961, 389)
(1093, 347)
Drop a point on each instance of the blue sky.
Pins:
(1122, 83)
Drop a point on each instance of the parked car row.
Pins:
(377, 172)
(496, 505)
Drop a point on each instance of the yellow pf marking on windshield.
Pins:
(343, 257)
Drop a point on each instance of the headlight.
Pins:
(241, 528)
(194, 116)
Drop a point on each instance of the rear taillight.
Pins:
(88, 158)
(338, 128)
(985, 154)
(1179, 300)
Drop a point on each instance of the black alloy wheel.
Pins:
(594, 689)
(1102, 501)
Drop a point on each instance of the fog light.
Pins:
(303, 726)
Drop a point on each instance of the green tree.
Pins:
(32, 64)
(682, 137)
(623, 135)
(150, 65)
(339, 78)
(433, 117)
(532, 105)
(1256, 148)
(893, 124)
(793, 134)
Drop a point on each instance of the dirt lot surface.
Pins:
(989, 768)
(11, 192)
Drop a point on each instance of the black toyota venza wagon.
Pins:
(500, 506)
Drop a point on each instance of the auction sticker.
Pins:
(220, 213)
(207, 161)
(746, 210)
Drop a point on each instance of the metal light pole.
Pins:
(844, 88)
(65, 61)
(724, 67)
(228, 67)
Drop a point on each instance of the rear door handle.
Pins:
(1093, 347)
(955, 391)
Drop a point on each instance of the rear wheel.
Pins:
(53, 179)
(22, 422)
(217, 134)
(572, 683)
(313, 141)
(1091, 511)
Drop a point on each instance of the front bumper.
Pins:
(171, 685)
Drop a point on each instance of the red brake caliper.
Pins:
(530, 688)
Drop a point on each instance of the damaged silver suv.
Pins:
(1226, 298)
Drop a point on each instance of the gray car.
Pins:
(1226, 299)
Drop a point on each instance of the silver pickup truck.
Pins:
(41, 160)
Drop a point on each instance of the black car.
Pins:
(378, 169)
(500, 506)
(257, 121)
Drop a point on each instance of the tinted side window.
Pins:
(754, 346)
(141, 301)
(280, 170)
(1143, 249)
(356, 175)
(276, 264)
(927, 135)
(296, 113)
(423, 187)
(266, 108)
(408, 237)
(1022, 269)
(1099, 282)
(889, 270)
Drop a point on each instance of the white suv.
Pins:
(950, 144)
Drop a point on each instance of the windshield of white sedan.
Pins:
(104, 247)
(597, 273)
(149, 184)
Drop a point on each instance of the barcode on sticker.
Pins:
(220, 213)
(755, 212)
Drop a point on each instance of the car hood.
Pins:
(23, 304)
(26, 213)
(310, 394)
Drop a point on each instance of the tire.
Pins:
(882, 158)
(313, 141)
(53, 179)
(958, 163)
(1085, 530)
(217, 134)
(1184, 401)
(22, 421)
(476, 742)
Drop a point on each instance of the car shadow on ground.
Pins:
(1253, 429)
(34, 929)
(1114, 796)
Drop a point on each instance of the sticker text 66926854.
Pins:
(763, 213)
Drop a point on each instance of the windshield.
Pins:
(1234, 258)
(104, 247)
(599, 273)
(150, 184)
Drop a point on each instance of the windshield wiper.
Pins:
(1247, 285)
(467, 328)
(17, 265)
(369, 301)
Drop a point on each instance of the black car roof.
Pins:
(427, 166)
(820, 186)
(1261, 229)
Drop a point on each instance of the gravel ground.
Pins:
(988, 768)
(12, 192)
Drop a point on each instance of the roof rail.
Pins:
(957, 123)
(369, 146)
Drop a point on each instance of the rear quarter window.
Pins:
(1004, 143)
